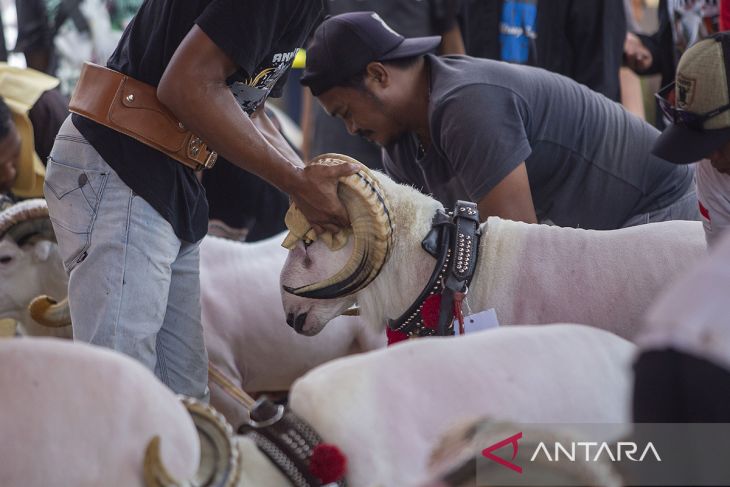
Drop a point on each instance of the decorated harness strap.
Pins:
(454, 241)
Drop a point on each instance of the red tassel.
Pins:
(430, 311)
(327, 463)
(395, 336)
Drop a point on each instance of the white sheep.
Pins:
(81, 416)
(386, 409)
(528, 273)
(30, 265)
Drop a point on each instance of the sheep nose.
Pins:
(290, 319)
(299, 322)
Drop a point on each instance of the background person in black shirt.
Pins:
(129, 219)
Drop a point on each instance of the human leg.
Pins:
(182, 359)
(119, 252)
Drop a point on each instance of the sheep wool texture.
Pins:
(566, 269)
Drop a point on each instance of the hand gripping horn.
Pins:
(373, 229)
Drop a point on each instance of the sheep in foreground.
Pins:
(528, 273)
(82, 415)
(386, 409)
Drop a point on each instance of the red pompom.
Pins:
(327, 463)
(430, 311)
(395, 336)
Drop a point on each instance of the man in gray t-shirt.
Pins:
(523, 143)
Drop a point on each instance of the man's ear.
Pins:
(377, 73)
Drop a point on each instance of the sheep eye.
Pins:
(5, 260)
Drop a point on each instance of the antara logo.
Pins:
(592, 451)
(512, 440)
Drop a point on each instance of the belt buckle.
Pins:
(210, 160)
(194, 147)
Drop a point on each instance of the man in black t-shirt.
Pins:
(129, 219)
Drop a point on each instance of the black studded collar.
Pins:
(454, 242)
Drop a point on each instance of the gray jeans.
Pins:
(685, 208)
(133, 285)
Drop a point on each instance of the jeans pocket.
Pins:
(73, 195)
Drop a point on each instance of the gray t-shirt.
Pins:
(588, 160)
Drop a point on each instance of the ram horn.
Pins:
(219, 464)
(373, 229)
(25, 221)
(47, 311)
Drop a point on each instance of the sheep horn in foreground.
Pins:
(372, 227)
(47, 311)
(219, 465)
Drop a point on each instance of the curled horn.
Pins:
(373, 229)
(26, 220)
(47, 311)
(219, 465)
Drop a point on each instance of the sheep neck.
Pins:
(409, 266)
(410, 321)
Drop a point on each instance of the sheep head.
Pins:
(322, 275)
(29, 261)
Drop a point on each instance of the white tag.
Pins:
(483, 320)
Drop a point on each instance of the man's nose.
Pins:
(351, 127)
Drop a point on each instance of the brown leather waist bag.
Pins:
(131, 107)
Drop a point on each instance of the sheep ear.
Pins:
(42, 250)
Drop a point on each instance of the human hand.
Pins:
(316, 196)
(636, 55)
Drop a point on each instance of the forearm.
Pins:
(510, 198)
(211, 112)
(273, 135)
(306, 123)
(194, 88)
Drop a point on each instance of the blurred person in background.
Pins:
(57, 36)
(682, 23)
(580, 39)
(31, 113)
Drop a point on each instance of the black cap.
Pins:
(344, 45)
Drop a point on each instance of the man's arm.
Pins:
(194, 88)
(273, 135)
(510, 198)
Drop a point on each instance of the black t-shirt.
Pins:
(261, 37)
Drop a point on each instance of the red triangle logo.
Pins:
(512, 440)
